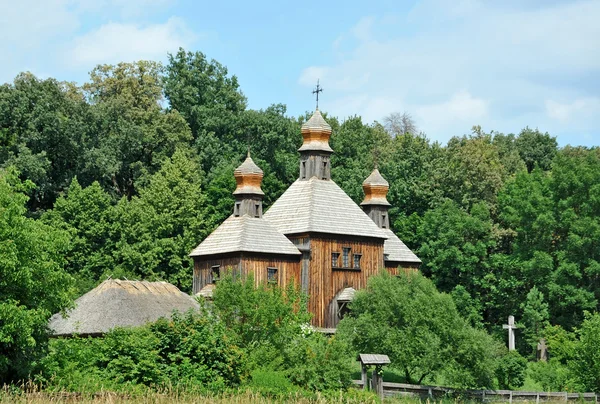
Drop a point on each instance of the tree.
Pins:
(536, 149)
(406, 318)
(156, 231)
(204, 94)
(586, 361)
(398, 123)
(33, 285)
(88, 215)
(535, 317)
(133, 133)
(44, 125)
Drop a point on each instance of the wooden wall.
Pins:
(287, 268)
(395, 268)
(326, 282)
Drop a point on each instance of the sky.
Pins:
(503, 65)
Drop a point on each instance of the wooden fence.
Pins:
(425, 392)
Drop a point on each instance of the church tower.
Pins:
(375, 203)
(396, 255)
(315, 152)
(248, 194)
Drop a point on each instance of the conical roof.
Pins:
(248, 177)
(375, 178)
(375, 188)
(117, 303)
(316, 132)
(316, 121)
(248, 167)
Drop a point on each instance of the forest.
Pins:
(124, 175)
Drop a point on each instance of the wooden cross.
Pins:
(318, 90)
(511, 332)
(542, 350)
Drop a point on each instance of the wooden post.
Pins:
(364, 376)
(378, 381)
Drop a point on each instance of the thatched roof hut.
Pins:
(116, 303)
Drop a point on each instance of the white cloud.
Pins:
(510, 56)
(116, 42)
(573, 111)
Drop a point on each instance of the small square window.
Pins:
(272, 275)
(357, 258)
(346, 257)
(335, 259)
(215, 271)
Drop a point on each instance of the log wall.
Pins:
(242, 265)
(326, 282)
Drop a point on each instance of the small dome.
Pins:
(316, 132)
(376, 179)
(248, 177)
(248, 167)
(316, 121)
(376, 189)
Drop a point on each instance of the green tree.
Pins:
(586, 359)
(155, 232)
(204, 94)
(536, 149)
(535, 318)
(44, 125)
(88, 215)
(420, 330)
(133, 133)
(33, 285)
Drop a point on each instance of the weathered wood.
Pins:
(325, 282)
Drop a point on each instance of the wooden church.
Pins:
(314, 234)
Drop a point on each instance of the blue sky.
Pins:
(503, 65)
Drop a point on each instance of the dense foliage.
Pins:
(421, 331)
(126, 173)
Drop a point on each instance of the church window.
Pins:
(303, 169)
(357, 258)
(324, 174)
(215, 271)
(383, 221)
(335, 259)
(272, 275)
(257, 210)
(236, 209)
(346, 257)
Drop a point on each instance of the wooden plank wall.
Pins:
(397, 268)
(287, 269)
(325, 282)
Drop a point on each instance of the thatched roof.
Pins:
(116, 303)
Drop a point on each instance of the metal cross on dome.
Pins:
(318, 90)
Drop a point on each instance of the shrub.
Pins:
(511, 370)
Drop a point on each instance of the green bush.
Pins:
(318, 363)
(188, 350)
(511, 370)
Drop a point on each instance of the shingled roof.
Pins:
(395, 250)
(245, 234)
(320, 206)
(117, 303)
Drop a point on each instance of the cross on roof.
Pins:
(318, 90)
